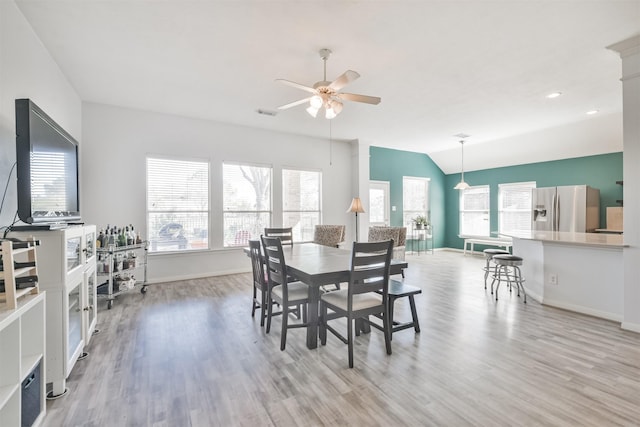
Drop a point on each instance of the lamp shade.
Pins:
(461, 186)
(356, 206)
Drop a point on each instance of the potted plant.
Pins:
(421, 222)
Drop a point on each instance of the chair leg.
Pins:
(414, 314)
(269, 310)
(390, 303)
(253, 301)
(386, 323)
(263, 298)
(350, 322)
(285, 319)
(323, 324)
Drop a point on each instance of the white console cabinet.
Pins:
(67, 272)
(21, 362)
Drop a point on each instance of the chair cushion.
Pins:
(360, 302)
(298, 291)
(509, 260)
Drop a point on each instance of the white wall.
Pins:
(117, 141)
(28, 71)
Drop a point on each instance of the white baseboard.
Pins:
(196, 276)
(628, 326)
(584, 310)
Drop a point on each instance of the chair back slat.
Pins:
(276, 266)
(370, 268)
(257, 264)
(284, 234)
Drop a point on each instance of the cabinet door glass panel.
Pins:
(73, 252)
(91, 244)
(75, 321)
(91, 295)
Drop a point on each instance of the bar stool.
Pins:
(488, 255)
(503, 264)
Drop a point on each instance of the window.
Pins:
(474, 211)
(301, 195)
(246, 202)
(514, 206)
(177, 204)
(415, 199)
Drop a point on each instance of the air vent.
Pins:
(267, 112)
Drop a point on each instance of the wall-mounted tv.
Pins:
(47, 168)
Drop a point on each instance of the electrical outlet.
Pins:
(553, 279)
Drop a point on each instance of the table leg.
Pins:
(312, 317)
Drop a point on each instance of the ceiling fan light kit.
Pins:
(326, 94)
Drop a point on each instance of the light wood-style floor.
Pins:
(189, 354)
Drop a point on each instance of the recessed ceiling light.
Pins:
(554, 95)
(592, 112)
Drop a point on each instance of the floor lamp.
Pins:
(356, 207)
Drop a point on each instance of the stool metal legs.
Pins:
(488, 268)
(511, 277)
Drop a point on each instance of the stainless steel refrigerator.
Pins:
(573, 208)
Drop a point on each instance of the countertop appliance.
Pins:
(572, 208)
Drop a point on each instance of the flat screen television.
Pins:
(47, 168)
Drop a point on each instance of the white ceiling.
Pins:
(441, 68)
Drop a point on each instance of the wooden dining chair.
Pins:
(285, 234)
(287, 294)
(366, 295)
(260, 281)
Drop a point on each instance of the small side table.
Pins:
(418, 236)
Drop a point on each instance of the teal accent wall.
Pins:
(391, 165)
(601, 172)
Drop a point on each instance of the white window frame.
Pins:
(242, 236)
(503, 210)
(302, 232)
(487, 212)
(178, 236)
(407, 214)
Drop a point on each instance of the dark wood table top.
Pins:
(319, 265)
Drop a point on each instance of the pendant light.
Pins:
(462, 185)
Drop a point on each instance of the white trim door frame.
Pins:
(379, 203)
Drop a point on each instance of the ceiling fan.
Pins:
(326, 94)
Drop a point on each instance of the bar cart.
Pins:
(117, 266)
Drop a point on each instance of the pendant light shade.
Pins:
(462, 185)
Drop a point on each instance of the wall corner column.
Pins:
(629, 51)
(360, 186)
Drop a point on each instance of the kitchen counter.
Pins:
(581, 272)
(563, 237)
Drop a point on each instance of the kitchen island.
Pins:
(582, 272)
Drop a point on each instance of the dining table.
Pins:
(318, 265)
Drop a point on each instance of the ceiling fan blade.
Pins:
(360, 98)
(346, 78)
(297, 85)
(293, 104)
